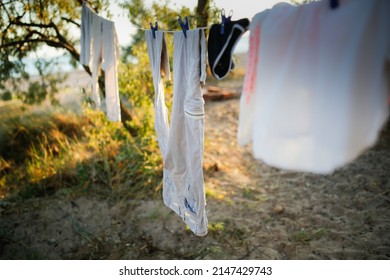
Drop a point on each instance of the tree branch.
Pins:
(21, 42)
(20, 23)
(71, 21)
(59, 35)
(47, 41)
(202, 12)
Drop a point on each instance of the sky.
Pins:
(240, 8)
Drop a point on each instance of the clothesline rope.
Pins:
(167, 31)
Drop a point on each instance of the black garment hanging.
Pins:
(221, 43)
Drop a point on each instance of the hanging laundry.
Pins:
(315, 94)
(181, 143)
(222, 40)
(100, 48)
(159, 64)
(86, 34)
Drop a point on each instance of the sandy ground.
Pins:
(255, 212)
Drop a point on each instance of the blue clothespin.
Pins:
(154, 29)
(184, 26)
(225, 19)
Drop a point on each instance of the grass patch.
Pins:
(44, 151)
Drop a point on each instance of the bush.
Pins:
(47, 150)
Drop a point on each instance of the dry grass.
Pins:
(44, 150)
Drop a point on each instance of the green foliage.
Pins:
(164, 14)
(25, 27)
(136, 85)
(46, 86)
(121, 162)
(141, 16)
(12, 73)
(45, 151)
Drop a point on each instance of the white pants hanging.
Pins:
(159, 63)
(99, 48)
(181, 144)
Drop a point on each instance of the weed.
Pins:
(305, 236)
(216, 228)
(213, 193)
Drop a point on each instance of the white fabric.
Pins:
(100, 48)
(181, 143)
(315, 92)
(159, 64)
(85, 38)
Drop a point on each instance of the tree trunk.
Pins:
(125, 113)
(202, 12)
